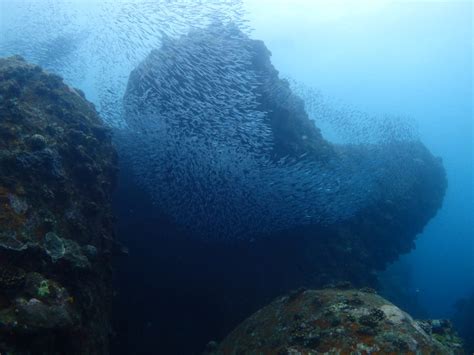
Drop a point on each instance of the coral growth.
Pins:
(57, 172)
(337, 321)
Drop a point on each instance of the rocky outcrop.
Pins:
(210, 123)
(362, 204)
(218, 143)
(57, 172)
(335, 321)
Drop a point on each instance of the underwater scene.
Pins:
(232, 177)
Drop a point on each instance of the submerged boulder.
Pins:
(57, 172)
(335, 321)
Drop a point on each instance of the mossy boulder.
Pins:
(335, 321)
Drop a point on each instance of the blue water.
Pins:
(413, 59)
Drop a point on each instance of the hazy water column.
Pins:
(411, 59)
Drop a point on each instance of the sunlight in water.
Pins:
(311, 11)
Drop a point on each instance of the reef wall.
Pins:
(57, 173)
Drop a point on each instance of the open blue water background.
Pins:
(409, 58)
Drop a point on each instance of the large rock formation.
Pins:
(224, 151)
(334, 321)
(57, 172)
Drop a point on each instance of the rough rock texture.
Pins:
(335, 321)
(57, 172)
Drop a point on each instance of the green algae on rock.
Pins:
(57, 173)
(337, 321)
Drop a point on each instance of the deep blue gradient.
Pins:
(412, 59)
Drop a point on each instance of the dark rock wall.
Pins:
(57, 173)
(294, 133)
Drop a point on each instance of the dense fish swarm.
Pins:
(95, 44)
(348, 125)
(219, 141)
(201, 140)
